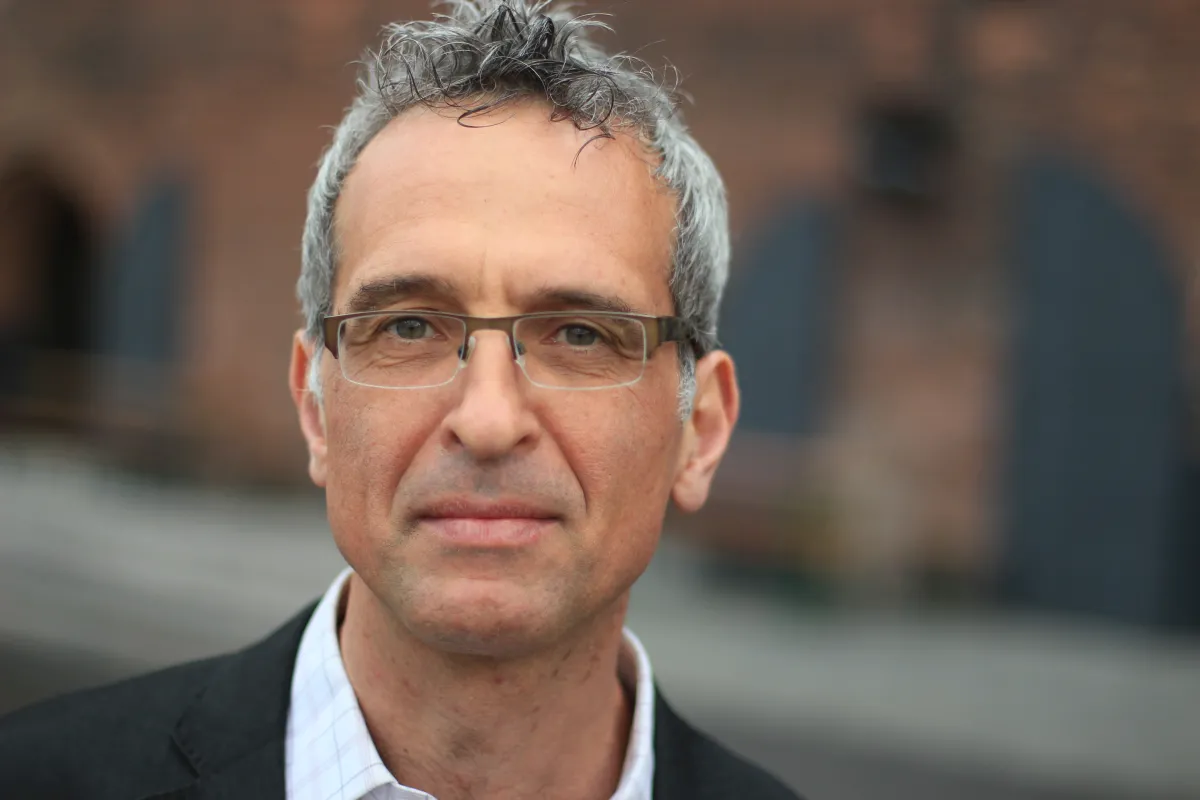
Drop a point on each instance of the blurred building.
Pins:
(968, 223)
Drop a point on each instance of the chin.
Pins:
(494, 618)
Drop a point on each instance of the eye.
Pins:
(409, 327)
(578, 336)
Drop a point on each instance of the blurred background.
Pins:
(953, 550)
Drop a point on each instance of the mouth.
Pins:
(486, 525)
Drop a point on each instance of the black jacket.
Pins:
(215, 729)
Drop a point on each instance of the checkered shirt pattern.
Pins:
(329, 754)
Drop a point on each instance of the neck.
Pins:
(554, 725)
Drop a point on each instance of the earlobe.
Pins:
(312, 418)
(707, 431)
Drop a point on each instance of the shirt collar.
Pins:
(329, 752)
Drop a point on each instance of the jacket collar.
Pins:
(675, 756)
(232, 734)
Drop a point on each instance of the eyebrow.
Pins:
(379, 294)
(555, 297)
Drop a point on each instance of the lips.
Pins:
(471, 508)
(471, 523)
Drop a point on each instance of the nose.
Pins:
(492, 418)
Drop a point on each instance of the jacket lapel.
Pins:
(232, 735)
(258, 774)
(674, 755)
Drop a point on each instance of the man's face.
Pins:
(491, 515)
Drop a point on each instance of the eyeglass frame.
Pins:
(663, 329)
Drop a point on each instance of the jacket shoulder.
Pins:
(134, 701)
(153, 734)
(736, 775)
(690, 764)
(84, 742)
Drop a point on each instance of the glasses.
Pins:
(556, 350)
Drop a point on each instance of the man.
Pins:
(512, 264)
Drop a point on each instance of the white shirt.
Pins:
(329, 753)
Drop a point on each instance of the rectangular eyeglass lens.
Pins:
(400, 349)
(582, 351)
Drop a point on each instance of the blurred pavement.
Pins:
(104, 575)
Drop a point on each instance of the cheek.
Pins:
(371, 441)
(623, 452)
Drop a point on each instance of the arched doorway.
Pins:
(1097, 481)
(47, 308)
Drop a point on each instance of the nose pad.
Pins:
(464, 351)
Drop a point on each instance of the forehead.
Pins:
(514, 203)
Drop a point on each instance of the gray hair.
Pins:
(484, 53)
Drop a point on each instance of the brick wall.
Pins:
(237, 96)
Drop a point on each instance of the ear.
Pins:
(312, 416)
(707, 431)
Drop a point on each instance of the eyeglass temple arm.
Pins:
(329, 330)
(677, 329)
